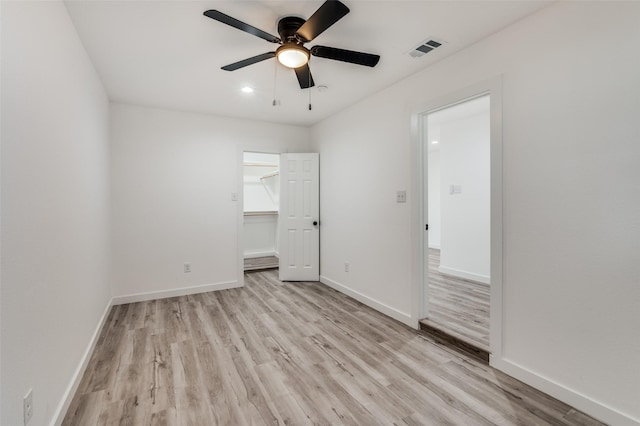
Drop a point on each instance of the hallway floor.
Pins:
(458, 306)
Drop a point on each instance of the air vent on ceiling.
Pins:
(427, 46)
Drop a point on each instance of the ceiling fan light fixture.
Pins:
(292, 55)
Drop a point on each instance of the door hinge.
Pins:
(426, 227)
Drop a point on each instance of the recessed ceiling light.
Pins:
(434, 142)
(247, 89)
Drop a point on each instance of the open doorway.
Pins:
(261, 189)
(457, 249)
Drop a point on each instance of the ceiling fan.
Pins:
(294, 33)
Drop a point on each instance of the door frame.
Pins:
(419, 309)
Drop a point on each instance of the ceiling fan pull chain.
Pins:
(275, 83)
(309, 91)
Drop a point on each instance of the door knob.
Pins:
(315, 223)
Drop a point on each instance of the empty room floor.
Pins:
(290, 353)
(458, 306)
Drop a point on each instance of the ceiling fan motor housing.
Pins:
(287, 28)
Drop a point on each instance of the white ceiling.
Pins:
(167, 54)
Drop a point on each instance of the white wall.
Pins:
(260, 235)
(54, 206)
(571, 197)
(261, 193)
(173, 174)
(464, 163)
(364, 160)
(434, 197)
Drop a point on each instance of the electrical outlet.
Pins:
(346, 266)
(187, 268)
(401, 197)
(27, 405)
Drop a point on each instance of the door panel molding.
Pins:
(299, 210)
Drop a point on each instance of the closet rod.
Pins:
(268, 175)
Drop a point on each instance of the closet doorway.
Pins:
(261, 189)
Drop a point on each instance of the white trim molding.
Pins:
(485, 279)
(372, 303)
(70, 392)
(575, 399)
(254, 254)
(420, 308)
(184, 291)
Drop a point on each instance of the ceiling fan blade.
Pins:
(249, 61)
(226, 19)
(304, 76)
(327, 15)
(343, 55)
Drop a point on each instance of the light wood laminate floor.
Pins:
(259, 263)
(289, 353)
(458, 306)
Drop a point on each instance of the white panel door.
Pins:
(299, 217)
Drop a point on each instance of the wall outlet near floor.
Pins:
(187, 268)
(346, 266)
(27, 405)
(401, 197)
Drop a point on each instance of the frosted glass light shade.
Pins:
(293, 56)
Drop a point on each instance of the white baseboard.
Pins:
(581, 402)
(69, 393)
(253, 255)
(372, 303)
(163, 294)
(464, 274)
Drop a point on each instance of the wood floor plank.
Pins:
(295, 354)
(161, 389)
(431, 409)
(260, 263)
(273, 380)
(458, 306)
(85, 409)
